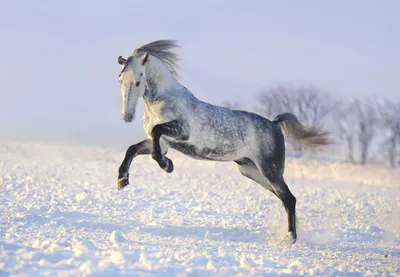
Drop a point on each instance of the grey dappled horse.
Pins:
(175, 118)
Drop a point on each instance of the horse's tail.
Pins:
(311, 136)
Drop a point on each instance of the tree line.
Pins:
(357, 125)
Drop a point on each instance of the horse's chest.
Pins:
(153, 115)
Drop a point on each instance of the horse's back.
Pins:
(219, 133)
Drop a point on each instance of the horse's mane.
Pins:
(163, 50)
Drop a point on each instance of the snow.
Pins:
(61, 214)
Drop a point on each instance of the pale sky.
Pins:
(58, 59)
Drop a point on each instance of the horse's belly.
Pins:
(206, 152)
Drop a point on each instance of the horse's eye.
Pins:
(138, 83)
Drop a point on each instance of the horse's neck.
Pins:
(159, 81)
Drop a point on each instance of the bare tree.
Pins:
(390, 121)
(313, 105)
(309, 104)
(366, 119)
(344, 118)
(234, 105)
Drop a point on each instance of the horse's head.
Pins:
(133, 83)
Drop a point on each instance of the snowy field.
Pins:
(62, 215)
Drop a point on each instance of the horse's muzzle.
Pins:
(127, 117)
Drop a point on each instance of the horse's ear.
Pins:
(121, 60)
(145, 57)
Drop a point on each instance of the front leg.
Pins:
(142, 148)
(177, 129)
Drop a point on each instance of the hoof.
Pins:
(289, 239)
(123, 182)
(170, 167)
(166, 164)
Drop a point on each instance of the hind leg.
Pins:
(272, 169)
(272, 181)
(250, 170)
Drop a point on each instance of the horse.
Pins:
(174, 118)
